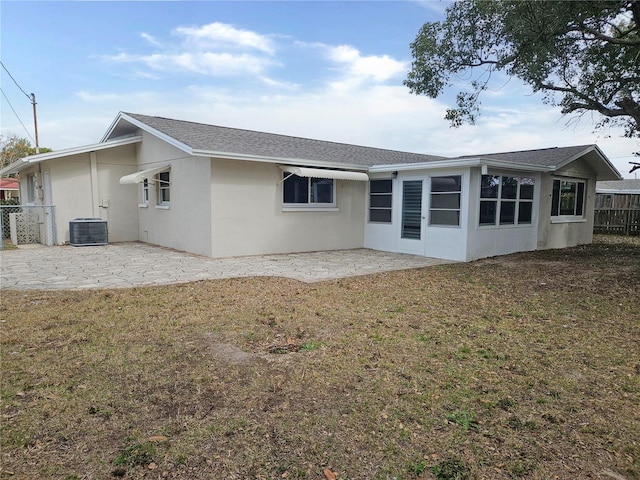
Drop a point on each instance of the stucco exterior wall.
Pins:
(488, 241)
(76, 194)
(560, 234)
(117, 205)
(448, 242)
(186, 224)
(248, 216)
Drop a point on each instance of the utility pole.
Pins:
(35, 121)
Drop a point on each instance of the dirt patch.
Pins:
(225, 352)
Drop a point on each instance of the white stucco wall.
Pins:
(185, 225)
(448, 242)
(488, 241)
(75, 195)
(561, 234)
(117, 205)
(248, 216)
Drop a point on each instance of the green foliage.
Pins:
(451, 469)
(466, 420)
(310, 345)
(136, 454)
(584, 56)
(13, 148)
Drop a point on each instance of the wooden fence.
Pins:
(617, 214)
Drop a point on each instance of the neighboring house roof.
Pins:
(625, 187)
(9, 184)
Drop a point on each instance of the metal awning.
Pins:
(140, 176)
(322, 173)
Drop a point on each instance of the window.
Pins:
(145, 191)
(445, 200)
(164, 188)
(32, 188)
(506, 200)
(380, 193)
(567, 199)
(308, 191)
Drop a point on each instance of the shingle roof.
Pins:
(213, 138)
(544, 157)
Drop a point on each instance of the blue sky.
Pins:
(331, 70)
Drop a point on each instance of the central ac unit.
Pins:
(88, 231)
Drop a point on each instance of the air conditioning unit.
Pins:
(88, 231)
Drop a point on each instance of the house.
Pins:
(617, 208)
(222, 192)
(9, 188)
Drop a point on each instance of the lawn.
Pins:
(522, 366)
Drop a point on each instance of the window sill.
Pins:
(568, 220)
(509, 225)
(162, 207)
(307, 208)
(143, 205)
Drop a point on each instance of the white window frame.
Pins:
(163, 186)
(385, 194)
(32, 188)
(556, 217)
(434, 195)
(144, 192)
(309, 205)
(499, 200)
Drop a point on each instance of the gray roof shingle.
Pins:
(544, 157)
(212, 138)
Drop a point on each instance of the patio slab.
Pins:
(122, 265)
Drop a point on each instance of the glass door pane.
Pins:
(411, 209)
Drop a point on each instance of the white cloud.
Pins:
(358, 69)
(204, 63)
(215, 49)
(222, 35)
(150, 39)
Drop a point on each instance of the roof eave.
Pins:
(25, 162)
(460, 163)
(618, 192)
(278, 160)
(15, 167)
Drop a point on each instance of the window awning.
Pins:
(322, 173)
(140, 176)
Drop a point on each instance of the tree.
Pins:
(14, 148)
(583, 56)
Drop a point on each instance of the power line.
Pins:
(15, 113)
(14, 81)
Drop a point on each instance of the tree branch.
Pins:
(582, 28)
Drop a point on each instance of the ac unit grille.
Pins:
(88, 231)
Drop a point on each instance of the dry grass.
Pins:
(524, 366)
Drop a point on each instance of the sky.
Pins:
(330, 70)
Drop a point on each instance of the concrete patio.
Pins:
(122, 265)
